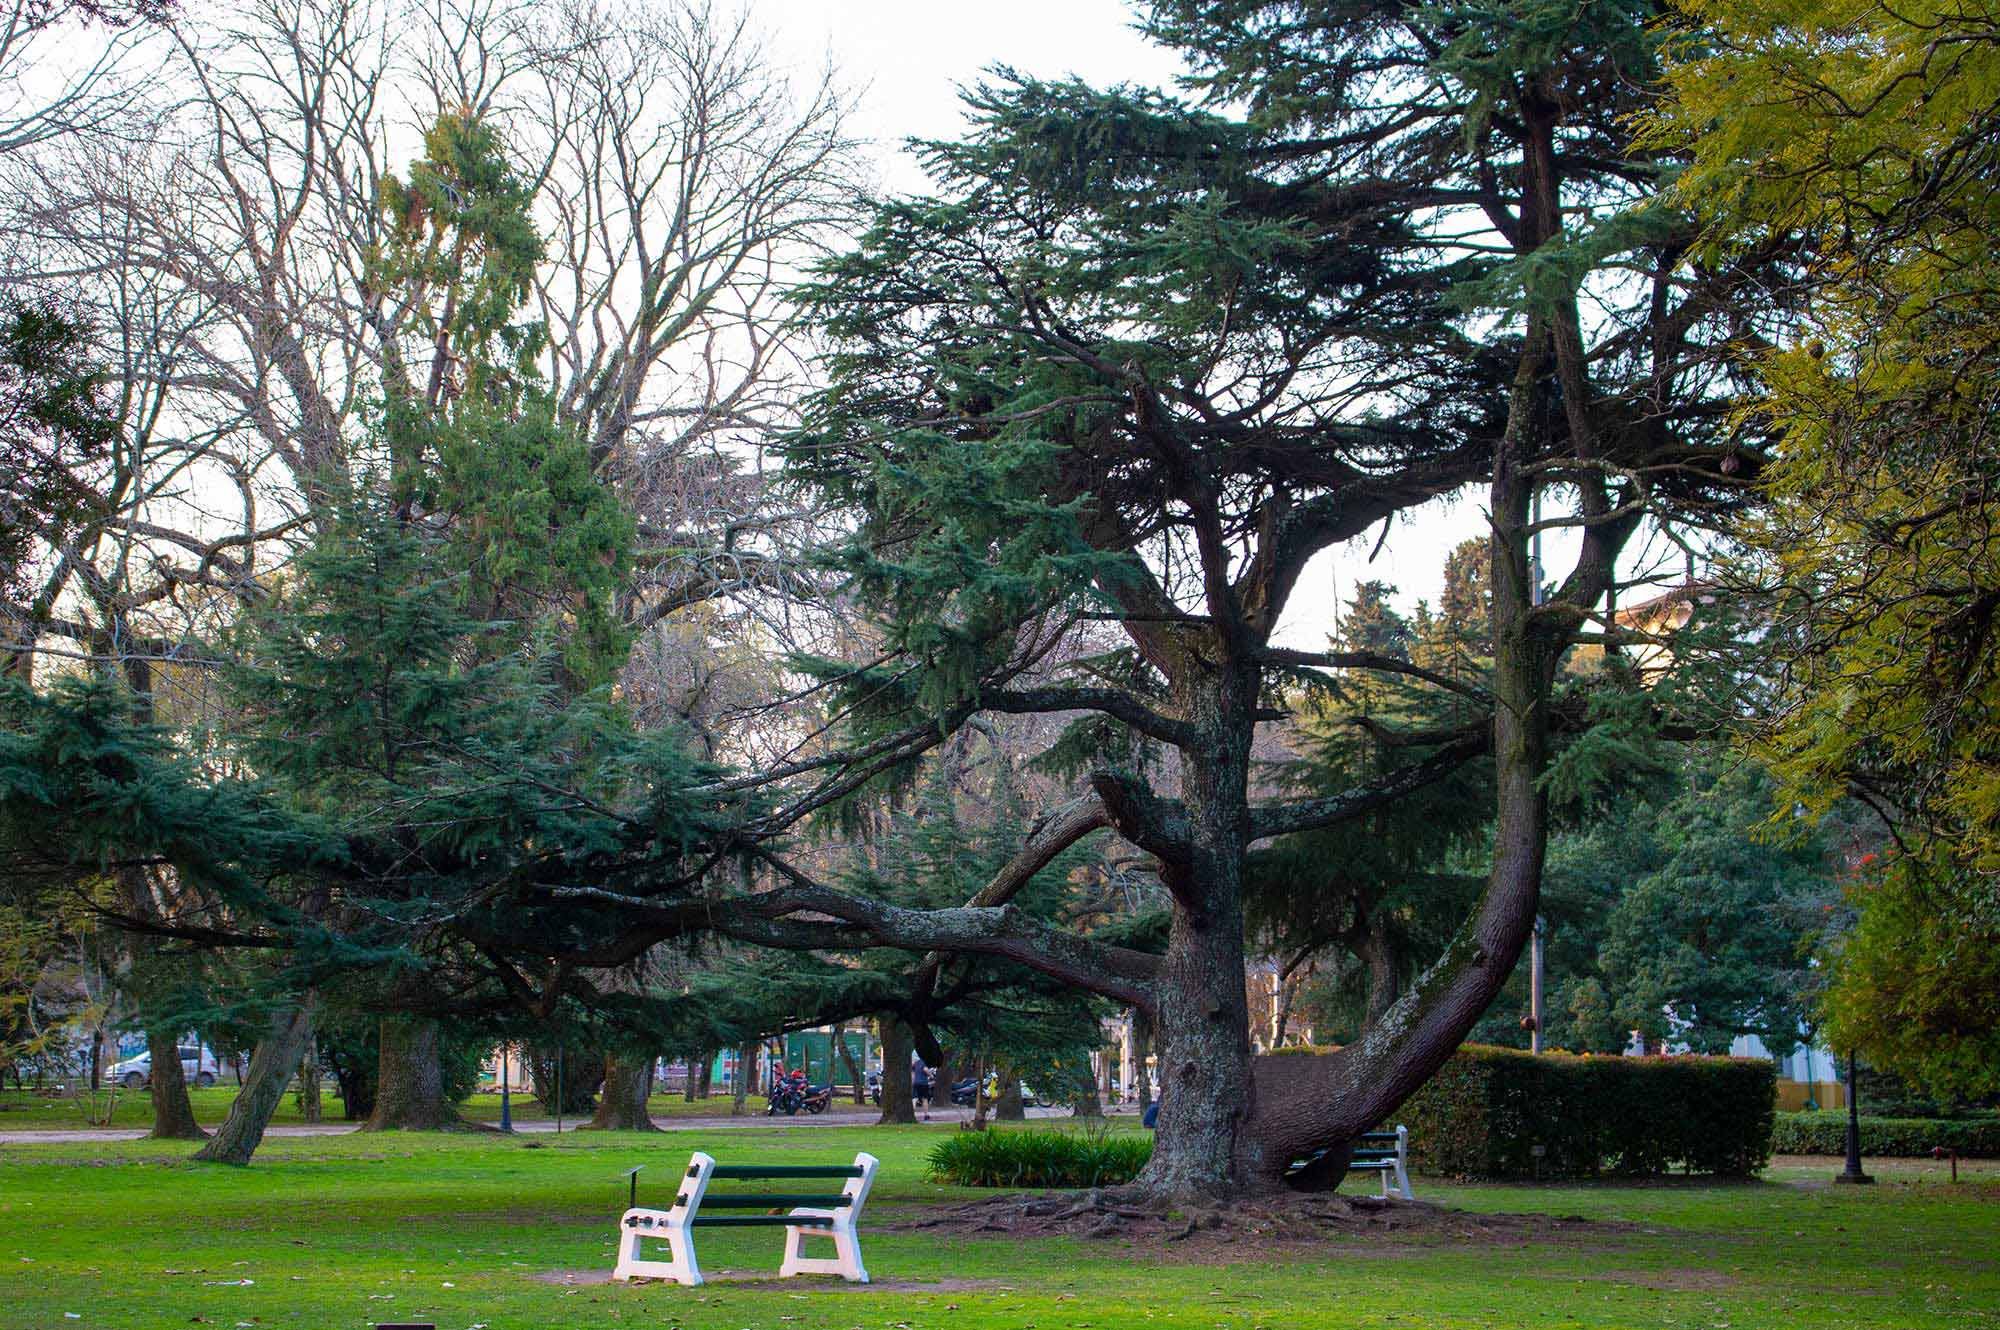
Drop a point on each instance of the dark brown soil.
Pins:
(1283, 1218)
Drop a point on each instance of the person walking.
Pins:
(920, 1086)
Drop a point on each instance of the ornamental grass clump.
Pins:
(1038, 1158)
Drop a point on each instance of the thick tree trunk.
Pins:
(173, 1115)
(896, 1103)
(1007, 1105)
(409, 1088)
(1203, 1021)
(705, 1074)
(1300, 1104)
(746, 1067)
(628, 1082)
(943, 1075)
(271, 1066)
(309, 1100)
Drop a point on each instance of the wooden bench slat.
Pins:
(753, 1201)
(784, 1171)
(760, 1221)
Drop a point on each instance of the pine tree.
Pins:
(1092, 377)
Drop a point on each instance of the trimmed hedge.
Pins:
(1038, 1158)
(1486, 1109)
(1887, 1138)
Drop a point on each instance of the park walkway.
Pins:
(676, 1122)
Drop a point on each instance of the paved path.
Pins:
(830, 1118)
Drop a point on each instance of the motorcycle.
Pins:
(790, 1093)
(817, 1099)
(875, 1088)
(965, 1091)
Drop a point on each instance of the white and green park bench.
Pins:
(821, 1215)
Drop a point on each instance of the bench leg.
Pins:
(680, 1267)
(845, 1262)
(1402, 1182)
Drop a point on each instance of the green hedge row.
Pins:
(1000, 1157)
(1487, 1109)
(1887, 1138)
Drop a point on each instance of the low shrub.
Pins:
(1038, 1158)
(1486, 1110)
(1887, 1138)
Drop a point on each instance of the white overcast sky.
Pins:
(906, 60)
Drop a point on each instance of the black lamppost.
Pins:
(1853, 1171)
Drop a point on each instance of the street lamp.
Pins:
(1536, 962)
(1853, 1171)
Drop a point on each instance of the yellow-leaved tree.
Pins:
(1867, 138)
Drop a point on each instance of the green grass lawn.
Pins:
(349, 1231)
(27, 1110)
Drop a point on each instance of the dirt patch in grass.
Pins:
(1295, 1218)
(1668, 1281)
(585, 1278)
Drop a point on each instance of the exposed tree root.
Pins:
(1265, 1217)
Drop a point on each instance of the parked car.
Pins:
(198, 1065)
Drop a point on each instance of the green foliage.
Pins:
(1825, 1133)
(461, 224)
(1000, 1157)
(1484, 1112)
(1389, 881)
(475, 440)
(1916, 983)
(83, 785)
(1674, 912)
(1717, 928)
(350, 1049)
(1861, 137)
(939, 850)
(56, 418)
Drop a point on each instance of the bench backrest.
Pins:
(702, 1169)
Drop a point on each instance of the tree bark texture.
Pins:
(409, 1088)
(271, 1066)
(1203, 1016)
(173, 1115)
(310, 1108)
(896, 1053)
(628, 1082)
